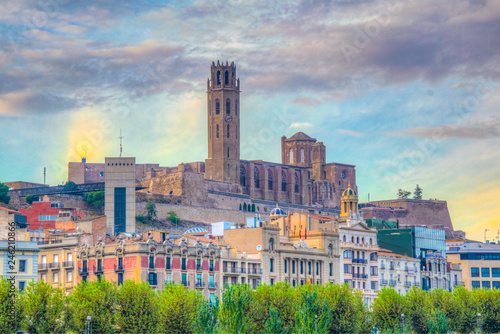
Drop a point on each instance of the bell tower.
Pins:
(223, 111)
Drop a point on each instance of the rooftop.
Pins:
(474, 247)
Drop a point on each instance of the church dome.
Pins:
(349, 192)
(277, 212)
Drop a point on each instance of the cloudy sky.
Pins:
(408, 91)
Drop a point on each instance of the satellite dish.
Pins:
(259, 247)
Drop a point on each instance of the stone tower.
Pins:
(223, 98)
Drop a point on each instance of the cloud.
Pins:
(351, 133)
(300, 125)
(490, 129)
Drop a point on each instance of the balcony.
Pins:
(119, 268)
(199, 268)
(356, 275)
(364, 275)
(200, 284)
(212, 285)
(391, 267)
(383, 282)
(185, 283)
(232, 270)
(407, 268)
(67, 264)
(243, 270)
(382, 266)
(408, 284)
(254, 271)
(392, 282)
(83, 271)
(98, 270)
(362, 261)
(43, 266)
(417, 284)
(54, 265)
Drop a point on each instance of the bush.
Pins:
(178, 308)
(95, 199)
(141, 219)
(32, 198)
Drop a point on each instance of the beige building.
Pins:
(119, 203)
(398, 271)
(22, 264)
(480, 264)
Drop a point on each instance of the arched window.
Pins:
(228, 131)
(291, 156)
(217, 130)
(271, 244)
(371, 241)
(297, 183)
(324, 175)
(243, 178)
(217, 107)
(226, 78)
(330, 249)
(218, 77)
(352, 239)
(236, 108)
(344, 239)
(256, 177)
(357, 240)
(270, 179)
(283, 180)
(363, 240)
(228, 152)
(228, 106)
(302, 155)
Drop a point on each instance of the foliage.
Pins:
(206, 318)
(467, 303)
(312, 316)
(178, 308)
(140, 218)
(4, 198)
(150, 210)
(489, 308)
(274, 324)
(97, 300)
(444, 301)
(44, 308)
(6, 307)
(438, 324)
(32, 198)
(419, 309)
(387, 309)
(403, 194)
(417, 194)
(95, 199)
(235, 309)
(173, 217)
(69, 186)
(136, 308)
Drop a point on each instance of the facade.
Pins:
(480, 264)
(398, 271)
(25, 268)
(119, 205)
(195, 266)
(12, 218)
(50, 215)
(358, 248)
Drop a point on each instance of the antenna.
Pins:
(44, 174)
(121, 149)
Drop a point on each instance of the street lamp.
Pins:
(402, 322)
(479, 322)
(88, 325)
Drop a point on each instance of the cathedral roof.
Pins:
(349, 192)
(301, 136)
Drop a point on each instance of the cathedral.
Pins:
(303, 180)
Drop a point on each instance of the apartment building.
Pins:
(398, 271)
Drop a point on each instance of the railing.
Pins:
(243, 270)
(119, 268)
(408, 284)
(199, 268)
(200, 284)
(212, 285)
(383, 282)
(356, 275)
(98, 270)
(391, 267)
(43, 266)
(417, 284)
(54, 265)
(255, 271)
(365, 261)
(382, 266)
(364, 275)
(83, 271)
(392, 282)
(185, 283)
(231, 269)
(68, 264)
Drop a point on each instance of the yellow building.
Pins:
(480, 264)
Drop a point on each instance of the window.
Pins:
(22, 285)
(236, 107)
(152, 279)
(120, 278)
(272, 281)
(69, 276)
(374, 271)
(284, 264)
(44, 277)
(495, 272)
(347, 269)
(271, 265)
(256, 176)
(120, 210)
(283, 181)
(217, 107)
(211, 266)
(198, 280)
(270, 179)
(302, 156)
(475, 284)
(309, 268)
(184, 279)
(293, 267)
(22, 266)
(227, 134)
(271, 244)
(485, 272)
(290, 154)
(347, 254)
(486, 284)
(297, 182)
(243, 179)
(218, 77)
(226, 78)
(151, 262)
(301, 267)
(293, 282)
(217, 130)
(496, 284)
(317, 268)
(55, 278)
(184, 267)
(167, 263)
(168, 279)
(331, 269)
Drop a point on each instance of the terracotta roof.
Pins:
(320, 217)
(386, 252)
(9, 210)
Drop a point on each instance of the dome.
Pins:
(277, 212)
(196, 230)
(349, 192)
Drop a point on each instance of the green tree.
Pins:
(44, 309)
(206, 318)
(140, 218)
(178, 308)
(70, 186)
(489, 308)
(32, 198)
(173, 217)
(467, 303)
(403, 194)
(444, 301)
(137, 308)
(387, 309)
(417, 194)
(234, 314)
(4, 198)
(438, 324)
(95, 199)
(10, 323)
(274, 324)
(312, 316)
(97, 300)
(150, 210)
(419, 310)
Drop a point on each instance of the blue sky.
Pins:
(408, 91)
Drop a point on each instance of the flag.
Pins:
(305, 233)
(300, 233)
(294, 230)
